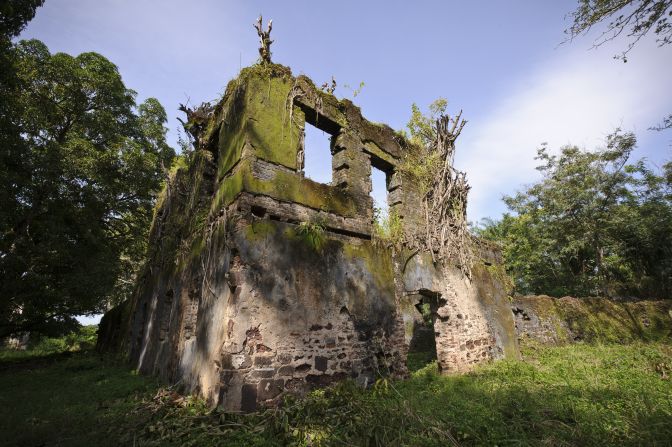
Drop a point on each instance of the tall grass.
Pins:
(574, 395)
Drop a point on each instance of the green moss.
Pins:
(253, 110)
(327, 104)
(287, 187)
(231, 143)
(498, 272)
(269, 130)
(493, 288)
(260, 230)
(603, 320)
(373, 148)
(293, 188)
(230, 187)
(378, 261)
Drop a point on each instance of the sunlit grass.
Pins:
(572, 395)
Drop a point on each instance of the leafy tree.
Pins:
(79, 169)
(594, 225)
(15, 14)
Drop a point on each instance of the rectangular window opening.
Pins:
(317, 154)
(381, 175)
(379, 182)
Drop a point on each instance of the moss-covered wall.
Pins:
(551, 320)
(494, 294)
(284, 186)
(262, 117)
(261, 282)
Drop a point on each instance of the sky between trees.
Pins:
(502, 63)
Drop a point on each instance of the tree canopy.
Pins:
(595, 224)
(15, 14)
(80, 166)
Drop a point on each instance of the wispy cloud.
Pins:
(576, 98)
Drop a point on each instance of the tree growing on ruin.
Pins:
(430, 161)
(264, 40)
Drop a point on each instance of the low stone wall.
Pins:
(549, 320)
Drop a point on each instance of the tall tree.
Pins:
(594, 225)
(78, 182)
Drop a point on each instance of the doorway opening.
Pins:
(422, 348)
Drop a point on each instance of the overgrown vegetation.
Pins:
(428, 161)
(387, 227)
(312, 233)
(572, 395)
(595, 224)
(82, 339)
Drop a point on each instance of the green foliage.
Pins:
(594, 225)
(421, 359)
(82, 339)
(355, 91)
(312, 233)
(634, 17)
(80, 167)
(387, 228)
(572, 395)
(421, 163)
(421, 126)
(72, 399)
(15, 14)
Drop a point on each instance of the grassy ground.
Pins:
(573, 395)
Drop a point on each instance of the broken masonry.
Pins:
(261, 282)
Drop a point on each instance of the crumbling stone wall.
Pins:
(241, 303)
(547, 320)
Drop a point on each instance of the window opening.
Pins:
(317, 154)
(379, 195)
(387, 223)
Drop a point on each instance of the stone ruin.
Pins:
(261, 282)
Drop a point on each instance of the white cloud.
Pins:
(578, 97)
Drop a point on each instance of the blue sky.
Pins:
(501, 62)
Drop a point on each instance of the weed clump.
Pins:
(312, 233)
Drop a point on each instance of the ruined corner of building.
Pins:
(262, 282)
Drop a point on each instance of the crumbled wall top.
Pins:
(256, 134)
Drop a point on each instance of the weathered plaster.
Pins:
(240, 304)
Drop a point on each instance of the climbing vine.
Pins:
(444, 189)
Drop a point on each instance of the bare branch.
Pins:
(264, 40)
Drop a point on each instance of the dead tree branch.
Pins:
(264, 40)
(197, 120)
(329, 88)
(446, 234)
